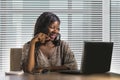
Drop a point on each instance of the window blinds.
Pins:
(115, 34)
(81, 20)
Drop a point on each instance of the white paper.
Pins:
(14, 73)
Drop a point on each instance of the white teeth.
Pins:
(53, 36)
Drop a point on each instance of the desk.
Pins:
(60, 76)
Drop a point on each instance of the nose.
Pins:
(56, 30)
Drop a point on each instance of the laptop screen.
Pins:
(96, 57)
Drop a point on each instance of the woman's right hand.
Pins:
(41, 37)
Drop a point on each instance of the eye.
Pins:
(52, 27)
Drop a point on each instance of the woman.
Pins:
(44, 51)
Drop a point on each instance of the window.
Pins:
(115, 33)
(81, 20)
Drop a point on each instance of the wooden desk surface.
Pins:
(60, 76)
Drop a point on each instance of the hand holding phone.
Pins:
(57, 40)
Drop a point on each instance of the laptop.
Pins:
(96, 58)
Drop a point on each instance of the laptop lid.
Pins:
(96, 57)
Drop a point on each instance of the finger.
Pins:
(47, 38)
(42, 37)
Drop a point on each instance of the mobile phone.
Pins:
(57, 40)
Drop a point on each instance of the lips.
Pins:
(53, 36)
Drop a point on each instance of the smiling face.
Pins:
(53, 30)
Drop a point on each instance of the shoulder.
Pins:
(26, 45)
(63, 43)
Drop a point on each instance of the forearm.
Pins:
(31, 59)
(55, 68)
